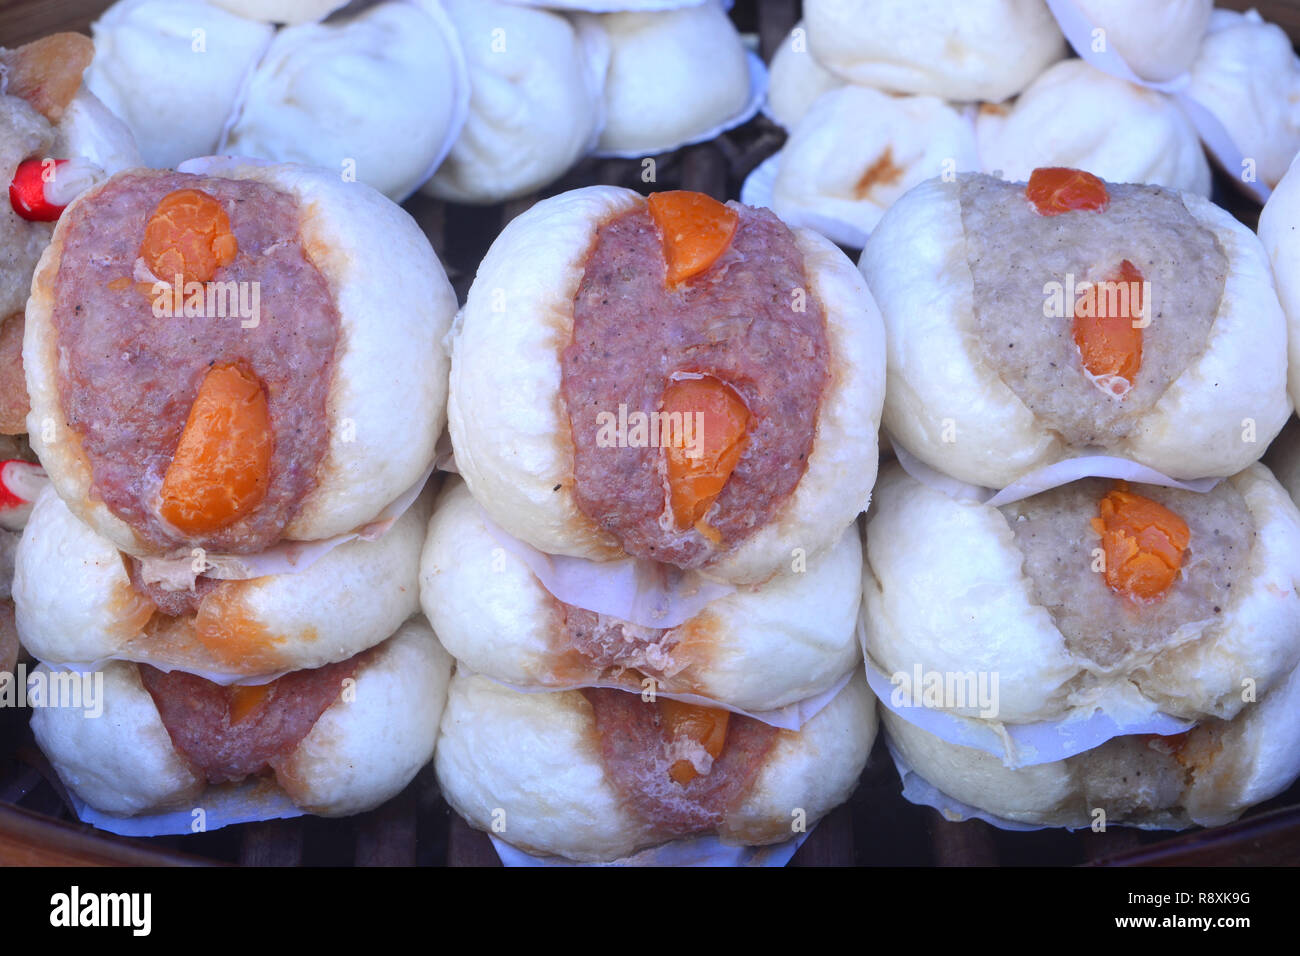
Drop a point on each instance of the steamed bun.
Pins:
(1156, 38)
(536, 100)
(975, 50)
(172, 70)
(858, 150)
(796, 79)
(673, 76)
(382, 90)
(281, 11)
(1248, 76)
(1075, 115)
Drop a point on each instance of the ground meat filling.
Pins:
(228, 740)
(1054, 534)
(635, 751)
(169, 603)
(127, 379)
(1014, 253)
(740, 322)
(609, 644)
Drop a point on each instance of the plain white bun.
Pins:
(673, 75)
(88, 130)
(281, 11)
(1158, 39)
(796, 79)
(531, 763)
(1248, 75)
(1279, 231)
(1077, 116)
(387, 399)
(918, 269)
(756, 649)
(360, 752)
(511, 433)
(173, 71)
(974, 50)
(376, 96)
(536, 101)
(75, 603)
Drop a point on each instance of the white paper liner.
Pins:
(460, 99)
(249, 802)
(790, 717)
(1046, 478)
(213, 677)
(285, 557)
(640, 592)
(692, 851)
(1025, 745)
(1078, 30)
(757, 93)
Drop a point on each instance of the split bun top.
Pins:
(1019, 337)
(292, 386)
(573, 336)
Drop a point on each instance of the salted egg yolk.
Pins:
(694, 229)
(706, 726)
(717, 420)
(188, 235)
(1143, 542)
(222, 465)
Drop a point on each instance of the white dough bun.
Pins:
(1207, 777)
(918, 269)
(945, 589)
(1077, 116)
(75, 603)
(755, 649)
(974, 50)
(386, 402)
(532, 762)
(511, 433)
(361, 752)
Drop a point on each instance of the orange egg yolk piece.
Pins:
(245, 700)
(1057, 189)
(1111, 344)
(695, 229)
(222, 465)
(706, 726)
(188, 234)
(1143, 542)
(704, 451)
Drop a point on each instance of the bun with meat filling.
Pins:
(598, 774)
(1028, 323)
(676, 380)
(291, 386)
(754, 649)
(337, 740)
